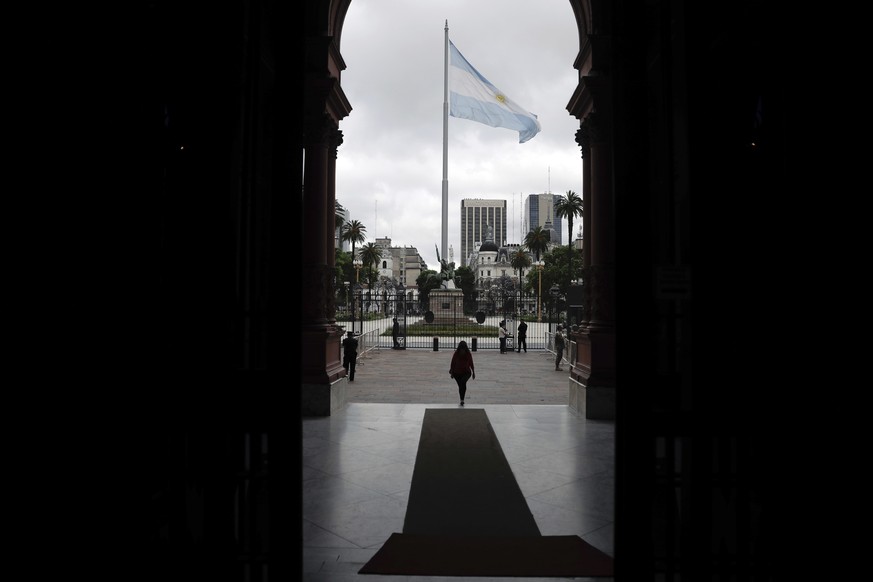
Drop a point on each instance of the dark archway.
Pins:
(240, 132)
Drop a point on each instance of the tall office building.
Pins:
(340, 244)
(540, 209)
(476, 215)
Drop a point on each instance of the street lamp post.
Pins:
(554, 291)
(519, 307)
(400, 302)
(400, 310)
(539, 265)
(368, 305)
(346, 284)
(355, 289)
(358, 263)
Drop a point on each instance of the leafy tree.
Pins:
(343, 270)
(537, 240)
(465, 280)
(553, 271)
(569, 207)
(427, 281)
(505, 284)
(507, 288)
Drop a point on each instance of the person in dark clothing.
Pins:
(395, 333)
(461, 368)
(350, 355)
(522, 336)
(501, 334)
(559, 347)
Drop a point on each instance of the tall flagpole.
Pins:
(445, 232)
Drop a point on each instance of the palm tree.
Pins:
(537, 240)
(569, 208)
(371, 254)
(353, 232)
(520, 261)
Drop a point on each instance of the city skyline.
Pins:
(510, 230)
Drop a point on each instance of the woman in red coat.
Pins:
(462, 368)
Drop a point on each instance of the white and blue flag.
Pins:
(472, 96)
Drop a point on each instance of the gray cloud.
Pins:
(390, 165)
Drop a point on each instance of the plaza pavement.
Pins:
(422, 376)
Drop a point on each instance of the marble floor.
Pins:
(357, 471)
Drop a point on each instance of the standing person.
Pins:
(559, 347)
(395, 332)
(350, 355)
(461, 368)
(501, 334)
(522, 336)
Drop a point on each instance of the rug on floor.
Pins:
(467, 516)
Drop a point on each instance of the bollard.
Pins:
(473, 344)
(436, 344)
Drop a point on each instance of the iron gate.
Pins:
(444, 318)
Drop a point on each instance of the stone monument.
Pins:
(447, 302)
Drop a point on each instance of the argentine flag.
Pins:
(472, 96)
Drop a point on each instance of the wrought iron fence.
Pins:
(445, 318)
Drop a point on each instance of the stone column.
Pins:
(582, 138)
(321, 366)
(336, 140)
(601, 242)
(594, 367)
(322, 375)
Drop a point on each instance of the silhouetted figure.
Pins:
(522, 336)
(461, 368)
(559, 347)
(395, 333)
(350, 355)
(501, 335)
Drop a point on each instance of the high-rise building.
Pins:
(476, 215)
(340, 244)
(539, 210)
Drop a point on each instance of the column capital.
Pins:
(319, 130)
(335, 140)
(591, 131)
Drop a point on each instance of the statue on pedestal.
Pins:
(447, 271)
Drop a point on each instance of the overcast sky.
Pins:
(390, 164)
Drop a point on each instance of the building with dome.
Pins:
(489, 262)
(483, 235)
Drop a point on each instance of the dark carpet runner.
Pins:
(467, 516)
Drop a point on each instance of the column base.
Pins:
(592, 384)
(323, 399)
(594, 403)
